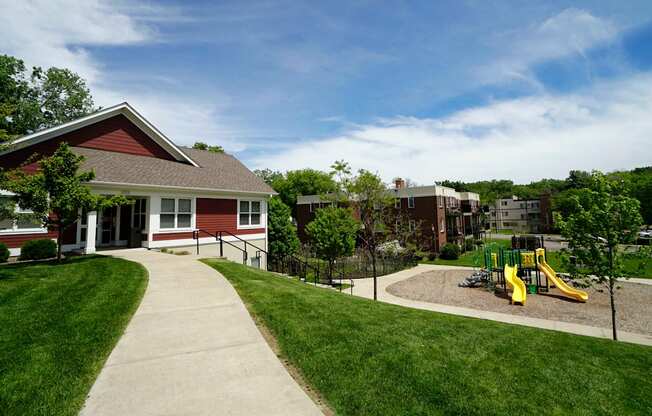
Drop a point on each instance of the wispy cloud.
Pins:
(570, 32)
(522, 139)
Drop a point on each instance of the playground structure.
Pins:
(524, 269)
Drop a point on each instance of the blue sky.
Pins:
(427, 90)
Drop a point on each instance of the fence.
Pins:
(309, 268)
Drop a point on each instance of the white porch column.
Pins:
(91, 229)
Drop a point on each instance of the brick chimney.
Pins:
(399, 183)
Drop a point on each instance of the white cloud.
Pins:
(54, 33)
(607, 127)
(571, 32)
(59, 33)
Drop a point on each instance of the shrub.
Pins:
(4, 253)
(469, 245)
(420, 255)
(432, 256)
(449, 251)
(38, 249)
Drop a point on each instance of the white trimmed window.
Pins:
(249, 214)
(175, 213)
(410, 202)
(19, 225)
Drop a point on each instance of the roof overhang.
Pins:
(121, 109)
(189, 189)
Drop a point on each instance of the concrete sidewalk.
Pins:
(364, 288)
(192, 349)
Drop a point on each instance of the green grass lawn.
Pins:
(58, 324)
(369, 358)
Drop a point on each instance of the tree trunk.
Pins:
(59, 241)
(373, 271)
(612, 280)
(330, 272)
(613, 309)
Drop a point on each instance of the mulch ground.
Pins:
(633, 301)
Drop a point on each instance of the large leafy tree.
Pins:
(302, 182)
(269, 176)
(31, 101)
(283, 240)
(332, 234)
(57, 192)
(602, 218)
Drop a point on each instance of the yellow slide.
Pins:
(567, 290)
(517, 285)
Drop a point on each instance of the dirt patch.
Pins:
(633, 301)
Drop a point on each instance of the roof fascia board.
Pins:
(177, 188)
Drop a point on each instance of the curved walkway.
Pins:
(364, 288)
(192, 349)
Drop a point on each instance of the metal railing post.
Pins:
(221, 245)
(196, 235)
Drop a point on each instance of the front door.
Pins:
(106, 226)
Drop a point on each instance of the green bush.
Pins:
(38, 249)
(469, 245)
(449, 251)
(420, 254)
(4, 253)
(432, 256)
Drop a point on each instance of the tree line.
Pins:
(637, 183)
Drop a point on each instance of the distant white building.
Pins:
(518, 215)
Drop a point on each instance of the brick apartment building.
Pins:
(443, 214)
(522, 215)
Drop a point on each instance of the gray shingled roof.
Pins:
(217, 171)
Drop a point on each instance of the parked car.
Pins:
(645, 234)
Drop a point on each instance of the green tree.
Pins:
(40, 99)
(601, 219)
(209, 148)
(283, 240)
(269, 176)
(368, 196)
(303, 182)
(57, 193)
(332, 234)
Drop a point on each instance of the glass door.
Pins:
(106, 226)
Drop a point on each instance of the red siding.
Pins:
(116, 134)
(70, 234)
(172, 236)
(17, 240)
(220, 215)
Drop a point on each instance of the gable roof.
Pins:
(214, 171)
(124, 109)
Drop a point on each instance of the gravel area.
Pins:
(633, 301)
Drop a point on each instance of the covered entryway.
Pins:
(123, 226)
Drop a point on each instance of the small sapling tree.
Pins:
(601, 217)
(57, 192)
(332, 234)
(369, 197)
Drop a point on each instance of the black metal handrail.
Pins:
(220, 240)
(291, 264)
